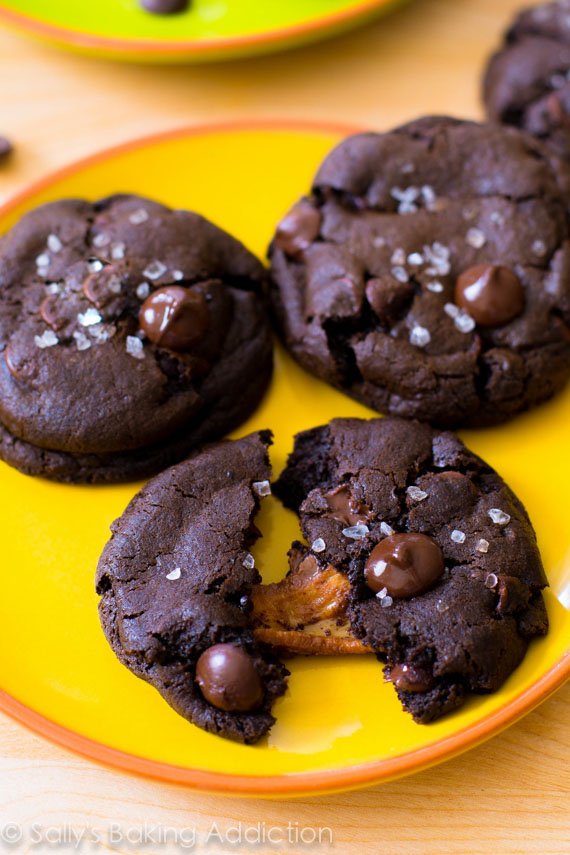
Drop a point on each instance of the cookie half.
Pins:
(428, 273)
(442, 560)
(527, 81)
(175, 583)
(129, 333)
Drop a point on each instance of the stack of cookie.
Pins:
(426, 273)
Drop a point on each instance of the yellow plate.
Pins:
(339, 725)
(208, 30)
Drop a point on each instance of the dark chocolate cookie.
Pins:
(527, 82)
(428, 274)
(445, 572)
(129, 333)
(175, 581)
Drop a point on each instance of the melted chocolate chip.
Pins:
(298, 229)
(103, 287)
(493, 295)
(409, 678)
(164, 7)
(228, 679)
(404, 564)
(175, 317)
(344, 507)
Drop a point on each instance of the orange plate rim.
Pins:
(298, 783)
(201, 47)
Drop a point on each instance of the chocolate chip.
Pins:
(388, 297)
(404, 564)
(298, 229)
(175, 317)
(228, 679)
(493, 295)
(164, 7)
(345, 508)
(103, 287)
(409, 678)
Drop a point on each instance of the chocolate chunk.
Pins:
(388, 297)
(164, 7)
(228, 679)
(493, 295)
(345, 508)
(298, 229)
(174, 317)
(409, 678)
(404, 564)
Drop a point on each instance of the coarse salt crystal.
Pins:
(262, 488)
(81, 340)
(416, 494)
(177, 275)
(415, 259)
(117, 251)
(114, 284)
(400, 274)
(386, 602)
(43, 260)
(143, 290)
(95, 265)
(47, 339)
(452, 310)
(464, 322)
(135, 347)
(476, 238)
(498, 516)
(458, 536)
(89, 317)
(482, 545)
(356, 532)
(318, 545)
(383, 593)
(249, 561)
(54, 244)
(100, 240)
(174, 574)
(419, 336)
(386, 529)
(539, 247)
(154, 270)
(53, 288)
(139, 216)
(491, 581)
(398, 256)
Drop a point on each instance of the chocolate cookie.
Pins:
(129, 333)
(175, 581)
(444, 569)
(527, 82)
(428, 274)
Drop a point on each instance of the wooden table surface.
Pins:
(511, 795)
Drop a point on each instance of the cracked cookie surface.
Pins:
(176, 577)
(527, 81)
(372, 273)
(85, 395)
(471, 628)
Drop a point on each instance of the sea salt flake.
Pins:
(419, 336)
(135, 347)
(498, 516)
(81, 340)
(383, 593)
(54, 244)
(249, 561)
(154, 270)
(177, 275)
(416, 494)
(47, 339)
(458, 536)
(539, 247)
(386, 529)
(386, 602)
(89, 317)
(437, 256)
(356, 532)
(262, 488)
(482, 545)
(398, 256)
(102, 332)
(174, 574)
(318, 545)
(53, 288)
(415, 259)
(139, 216)
(406, 199)
(435, 287)
(464, 322)
(400, 274)
(143, 290)
(43, 260)
(491, 581)
(117, 251)
(476, 238)
(100, 240)
(95, 265)
(452, 310)
(428, 195)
